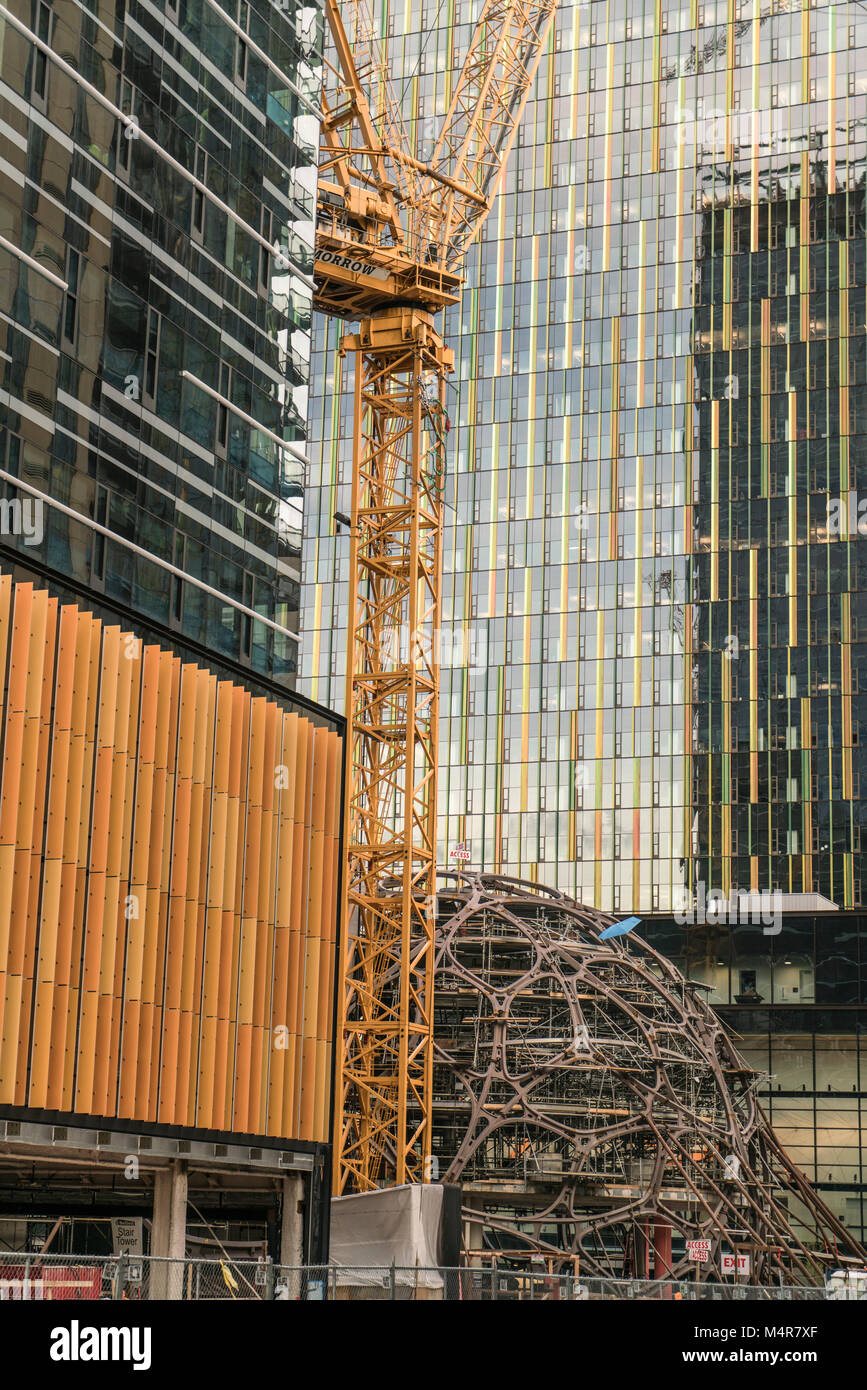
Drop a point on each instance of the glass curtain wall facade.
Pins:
(653, 664)
(157, 198)
(779, 570)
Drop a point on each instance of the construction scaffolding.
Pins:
(595, 1110)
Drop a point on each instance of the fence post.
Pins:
(269, 1278)
(25, 1290)
(119, 1273)
(334, 1283)
(391, 1281)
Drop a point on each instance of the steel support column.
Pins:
(661, 1250)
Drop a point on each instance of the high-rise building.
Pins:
(653, 564)
(170, 843)
(156, 230)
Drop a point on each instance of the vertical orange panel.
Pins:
(6, 849)
(330, 909)
(62, 845)
(262, 1000)
(137, 900)
(212, 1077)
(244, 1100)
(5, 631)
(118, 899)
(100, 935)
(180, 873)
(25, 678)
(230, 945)
(81, 1026)
(80, 638)
(166, 870)
(282, 1052)
(34, 1022)
(18, 627)
(86, 717)
(156, 898)
(57, 912)
(42, 690)
(313, 951)
(193, 962)
(300, 923)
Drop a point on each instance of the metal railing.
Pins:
(30, 1276)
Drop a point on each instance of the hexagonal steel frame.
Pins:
(595, 1108)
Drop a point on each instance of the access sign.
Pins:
(698, 1250)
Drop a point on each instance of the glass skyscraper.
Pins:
(157, 195)
(654, 666)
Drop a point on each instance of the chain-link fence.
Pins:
(87, 1277)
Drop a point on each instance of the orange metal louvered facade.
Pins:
(169, 860)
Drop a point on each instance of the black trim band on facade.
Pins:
(793, 1018)
(175, 638)
(110, 1203)
(70, 1120)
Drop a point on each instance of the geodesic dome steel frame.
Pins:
(589, 1098)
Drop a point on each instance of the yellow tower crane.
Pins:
(392, 233)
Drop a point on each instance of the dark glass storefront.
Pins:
(805, 1032)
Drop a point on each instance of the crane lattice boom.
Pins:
(391, 235)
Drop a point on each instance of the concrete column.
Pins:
(474, 1230)
(292, 1232)
(169, 1233)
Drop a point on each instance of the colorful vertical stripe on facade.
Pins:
(660, 359)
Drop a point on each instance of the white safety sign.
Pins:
(698, 1250)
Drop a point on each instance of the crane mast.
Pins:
(391, 235)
